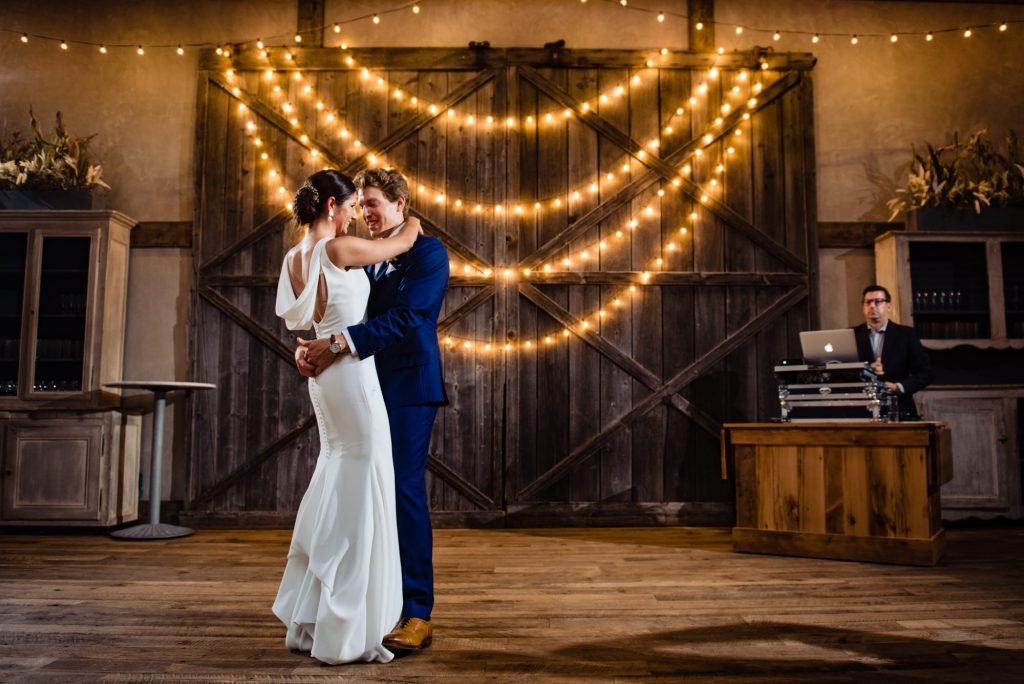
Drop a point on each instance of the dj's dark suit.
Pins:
(904, 360)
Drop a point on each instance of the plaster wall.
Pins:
(872, 101)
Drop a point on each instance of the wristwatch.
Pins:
(335, 347)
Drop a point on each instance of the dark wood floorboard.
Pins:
(582, 605)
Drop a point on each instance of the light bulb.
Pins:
(661, 17)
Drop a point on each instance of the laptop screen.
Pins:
(829, 346)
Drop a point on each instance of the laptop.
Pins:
(829, 346)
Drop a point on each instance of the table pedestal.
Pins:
(155, 529)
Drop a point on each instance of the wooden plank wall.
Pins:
(513, 416)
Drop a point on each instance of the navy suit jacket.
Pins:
(401, 325)
(904, 360)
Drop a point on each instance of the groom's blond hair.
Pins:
(390, 182)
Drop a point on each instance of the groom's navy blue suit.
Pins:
(401, 331)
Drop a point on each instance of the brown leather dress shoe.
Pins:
(409, 635)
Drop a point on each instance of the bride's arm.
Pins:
(348, 250)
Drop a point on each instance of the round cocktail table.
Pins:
(155, 529)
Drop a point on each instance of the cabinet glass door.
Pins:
(12, 292)
(60, 331)
(949, 281)
(1013, 288)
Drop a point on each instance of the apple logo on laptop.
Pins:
(829, 348)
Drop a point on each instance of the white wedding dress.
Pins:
(342, 585)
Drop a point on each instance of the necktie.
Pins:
(876, 346)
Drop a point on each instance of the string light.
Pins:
(660, 16)
(103, 49)
(590, 251)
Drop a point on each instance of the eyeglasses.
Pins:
(877, 302)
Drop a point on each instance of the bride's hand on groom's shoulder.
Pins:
(415, 229)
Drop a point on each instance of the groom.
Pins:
(401, 331)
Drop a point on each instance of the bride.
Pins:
(342, 586)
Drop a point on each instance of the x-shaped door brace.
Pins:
(658, 170)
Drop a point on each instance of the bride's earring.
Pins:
(330, 214)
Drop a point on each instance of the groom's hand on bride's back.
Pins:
(316, 355)
(306, 368)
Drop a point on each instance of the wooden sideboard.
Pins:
(69, 454)
(848, 491)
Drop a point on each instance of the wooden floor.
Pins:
(598, 605)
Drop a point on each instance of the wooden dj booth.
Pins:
(853, 491)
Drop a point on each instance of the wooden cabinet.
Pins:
(62, 469)
(983, 422)
(955, 288)
(865, 492)
(68, 456)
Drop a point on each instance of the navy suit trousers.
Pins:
(410, 442)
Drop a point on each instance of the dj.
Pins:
(894, 350)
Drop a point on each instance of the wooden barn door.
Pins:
(588, 379)
(669, 263)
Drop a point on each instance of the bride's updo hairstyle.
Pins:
(311, 198)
